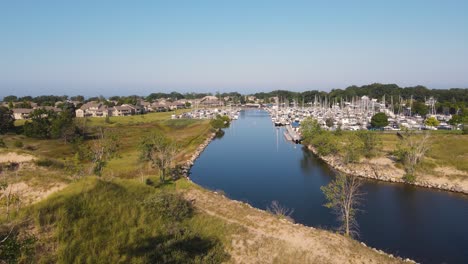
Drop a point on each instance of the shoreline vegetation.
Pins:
(120, 216)
(384, 170)
(393, 157)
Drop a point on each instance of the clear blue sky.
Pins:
(138, 47)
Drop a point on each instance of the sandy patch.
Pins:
(449, 171)
(263, 238)
(30, 194)
(15, 157)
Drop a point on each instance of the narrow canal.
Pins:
(253, 162)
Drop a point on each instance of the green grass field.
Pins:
(447, 149)
(97, 221)
(188, 133)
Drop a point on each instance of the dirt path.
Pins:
(29, 195)
(263, 238)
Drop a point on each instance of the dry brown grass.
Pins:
(261, 237)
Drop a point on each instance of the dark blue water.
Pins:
(253, 162)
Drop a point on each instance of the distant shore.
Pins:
(387, 172)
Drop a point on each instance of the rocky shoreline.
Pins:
(383, 173)
(189, 163)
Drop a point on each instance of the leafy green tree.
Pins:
(160, 151)
(310, 128)
(420, 108)
(220, 122)
(24, 104)
(432, 121)
(10, 98)
(6, 120)
(354, 148)
(78, 98)
(379, 120)
(329, 122)
(325, 143)
(456, 119)
(371, 143)
(62, 126)
(40, 123)
(344, 196)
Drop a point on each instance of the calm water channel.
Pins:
(253, 162)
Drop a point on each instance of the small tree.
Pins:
(353, 149)
(455, 120)
(379, 120)
(411, 151)
(220, 122)
(6, 120)
(371, 143)
(160, 151)
(103, 149)
(344, 196)
(40, 124)
(329, 122)
(282, 212)
(432, 121)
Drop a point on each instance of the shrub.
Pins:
(353, 149)
(220, 122)
(50, 163)
(30, 147)
(410, 178)
(2, 143)
(16, 248)
(169, 206)
(371, 143)
(18, 144)
(149, 182)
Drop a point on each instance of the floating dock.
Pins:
(292, 135)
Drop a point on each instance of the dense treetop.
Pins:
(376, 90)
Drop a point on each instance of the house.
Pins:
(146, 106)
(137, 109)
(123, 110)
(159, 107)
(177, 105)
(93, 109)
(21, 113)
(208, 101)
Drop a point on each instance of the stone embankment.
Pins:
(189, 163)
(383, 172)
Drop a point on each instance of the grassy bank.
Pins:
(446, 150)
(123, 221)
(130, 131)
(96, 221)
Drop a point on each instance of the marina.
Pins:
(354, 114)
(425, 225)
